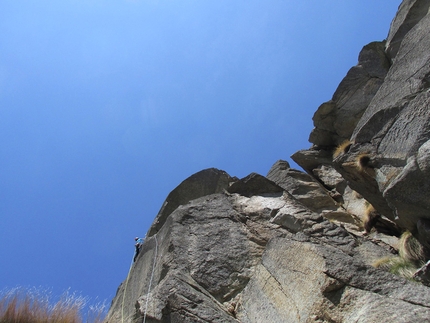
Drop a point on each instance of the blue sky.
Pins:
(106, 106)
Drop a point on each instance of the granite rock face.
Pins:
(290, 246)
(261, 257)
(386, 160)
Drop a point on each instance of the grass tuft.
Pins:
(342, 148)
(370, 218)
(397, 266)
(363, 162)
(411, 249)
(20, 305)
(411, 257)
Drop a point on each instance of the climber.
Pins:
(138, 245)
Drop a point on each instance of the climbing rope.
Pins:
(125, 290)
(149, 287)
(150, 280)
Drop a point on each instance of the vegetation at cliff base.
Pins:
(20, 305)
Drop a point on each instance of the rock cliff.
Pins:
(331, 244)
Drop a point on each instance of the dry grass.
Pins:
(411, 257)
(397, 266)
(21, 305)
(370, 217)
(342, 148)
(364, 164)
(411, 249)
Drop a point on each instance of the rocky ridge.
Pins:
(291, 246)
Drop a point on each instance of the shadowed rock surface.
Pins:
(291, 246)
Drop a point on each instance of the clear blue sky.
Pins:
(106, 106)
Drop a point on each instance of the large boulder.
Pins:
(205, 182)
(303, 186)
(255, 184)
